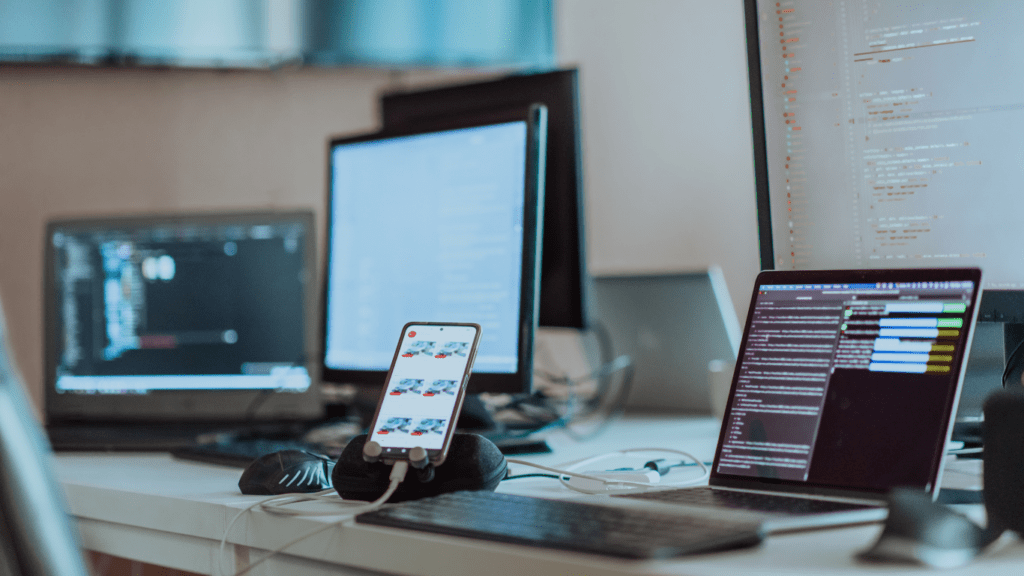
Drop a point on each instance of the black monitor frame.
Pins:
(176, 406)
(565, 293)
(1004, 306)
(521, 381)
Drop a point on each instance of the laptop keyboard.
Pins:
(750, 501)
(562, 525)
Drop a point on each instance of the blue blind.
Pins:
(234, 33)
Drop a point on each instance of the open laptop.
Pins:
(846, 387)
(160, 329)
(651, 318)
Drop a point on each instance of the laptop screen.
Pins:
(154, 306)
(848, 380)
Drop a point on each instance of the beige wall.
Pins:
(667, 145)
(668, 176)
(99, 141)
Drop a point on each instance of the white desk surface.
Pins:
(159, 510)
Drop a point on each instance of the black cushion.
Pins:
(473, 463)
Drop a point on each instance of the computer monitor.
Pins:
(888, 134)
(434, 226)
(180, 318)
(564, 292)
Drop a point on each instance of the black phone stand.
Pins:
(473, 463)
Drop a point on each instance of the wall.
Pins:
(669, 182)
(667, 147)
(101, 141)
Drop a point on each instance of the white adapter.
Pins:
(612, 479)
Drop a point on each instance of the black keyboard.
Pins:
(562, 525)
(751, 501)
(241, 453)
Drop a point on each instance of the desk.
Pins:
(155, 509)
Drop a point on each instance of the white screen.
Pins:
(426, 227)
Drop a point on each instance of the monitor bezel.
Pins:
(563, 259)
(520, 381)
(176, 406)
(1005, 306)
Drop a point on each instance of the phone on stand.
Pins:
(424, 390)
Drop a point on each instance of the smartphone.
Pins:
(424, 390)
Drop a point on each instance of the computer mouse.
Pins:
(287, 471)
(921, 531)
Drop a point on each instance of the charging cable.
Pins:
(277, 505)
(596, 482)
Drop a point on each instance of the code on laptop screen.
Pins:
(180, 305)
(847, 385)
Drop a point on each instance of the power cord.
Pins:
(568, 476)
(577, 409)
(277, 505)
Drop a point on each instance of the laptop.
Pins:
(651, 318)
(161, 329)
(846, 386)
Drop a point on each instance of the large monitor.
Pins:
(888, 134)
(564, 294)
(180, 318)
(434, 226)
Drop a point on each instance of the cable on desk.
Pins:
(276, 505)
(536, 475)
(561, 404)
(577, 409)
(568, 470)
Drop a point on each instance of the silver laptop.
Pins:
(652, 318)
(846, 387)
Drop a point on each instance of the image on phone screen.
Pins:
(424, 387)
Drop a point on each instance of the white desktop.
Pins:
(154, 509)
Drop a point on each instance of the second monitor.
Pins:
(435, 226)
(563, 279)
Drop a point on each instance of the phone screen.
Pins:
(424, 389)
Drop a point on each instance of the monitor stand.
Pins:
(475, 416)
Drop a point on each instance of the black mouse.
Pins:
(287, 471)
(921, 531)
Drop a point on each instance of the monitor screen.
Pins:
(433, 227)
(888, 135)
(157, 306)
(564, 293)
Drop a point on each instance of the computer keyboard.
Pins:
(752, 501)
(566, 525)
(240, 453)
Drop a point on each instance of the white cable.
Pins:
(568, 469)
(275, 504)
